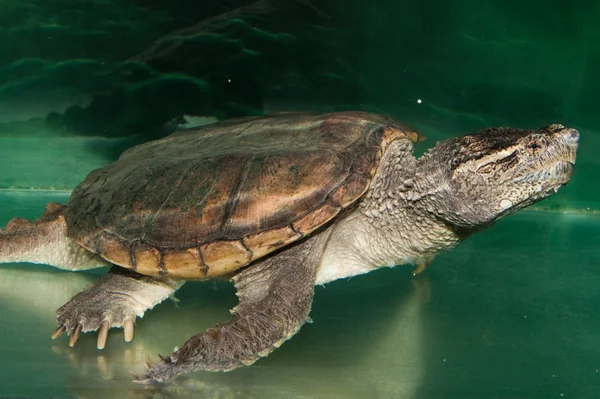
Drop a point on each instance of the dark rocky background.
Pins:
(125, 70)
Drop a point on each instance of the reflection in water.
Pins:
(396, 360)
(370, 344)
(513, 313)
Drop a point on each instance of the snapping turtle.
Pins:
(277, 204)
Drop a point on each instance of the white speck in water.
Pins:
(419, 101)
(444, 359)
(525, 316)
(228, 80)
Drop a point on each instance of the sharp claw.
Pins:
(142, 379)
(75, 335)
(59, 331)
(420, 268)
(103, 334)
(166, 359)
(149, 362)
(128, 330)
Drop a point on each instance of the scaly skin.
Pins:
(413, 210)
(275, 300)
(113, 301)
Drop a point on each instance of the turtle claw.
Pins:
(149, 362)
(165, 359)
(75, 335)
(59, 331)
(128, 330)
(114, 301)
(421, 266)
(143, 379)
(103, 334)
(419, 269)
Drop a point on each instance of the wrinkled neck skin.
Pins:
(394, 223)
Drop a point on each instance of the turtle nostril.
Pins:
(573, 135)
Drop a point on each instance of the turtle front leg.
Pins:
(113, 301)
(275, 299)
(422, 265)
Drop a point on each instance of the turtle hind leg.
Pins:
(45, 241)
(275, 300)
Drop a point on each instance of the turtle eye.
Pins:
(536, 143)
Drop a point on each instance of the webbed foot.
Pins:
(275, 300)
(113, 301)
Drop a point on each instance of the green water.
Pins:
(511, 313)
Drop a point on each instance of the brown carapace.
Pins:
(204, 202)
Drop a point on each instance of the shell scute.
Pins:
(148, 260)
(183, 264)
(316, 218)
(111, 247)
(268, 241)
(232, 192)
(350, 191)
(223, 257)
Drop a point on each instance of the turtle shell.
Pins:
(206, 201)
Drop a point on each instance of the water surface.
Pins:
(512, 312)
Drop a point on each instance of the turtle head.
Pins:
(475, 179)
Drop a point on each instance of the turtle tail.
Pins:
(45, 241)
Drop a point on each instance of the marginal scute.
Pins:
(392, 133)
(147, 259)
(222, 257)
(267, 241)
(185, 264)
(114, 250)
(316, 218)
(350, 191)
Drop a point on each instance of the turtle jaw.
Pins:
(552, 179)
(561, 174)
(551, 173)
(560, 171)
(476, 179)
